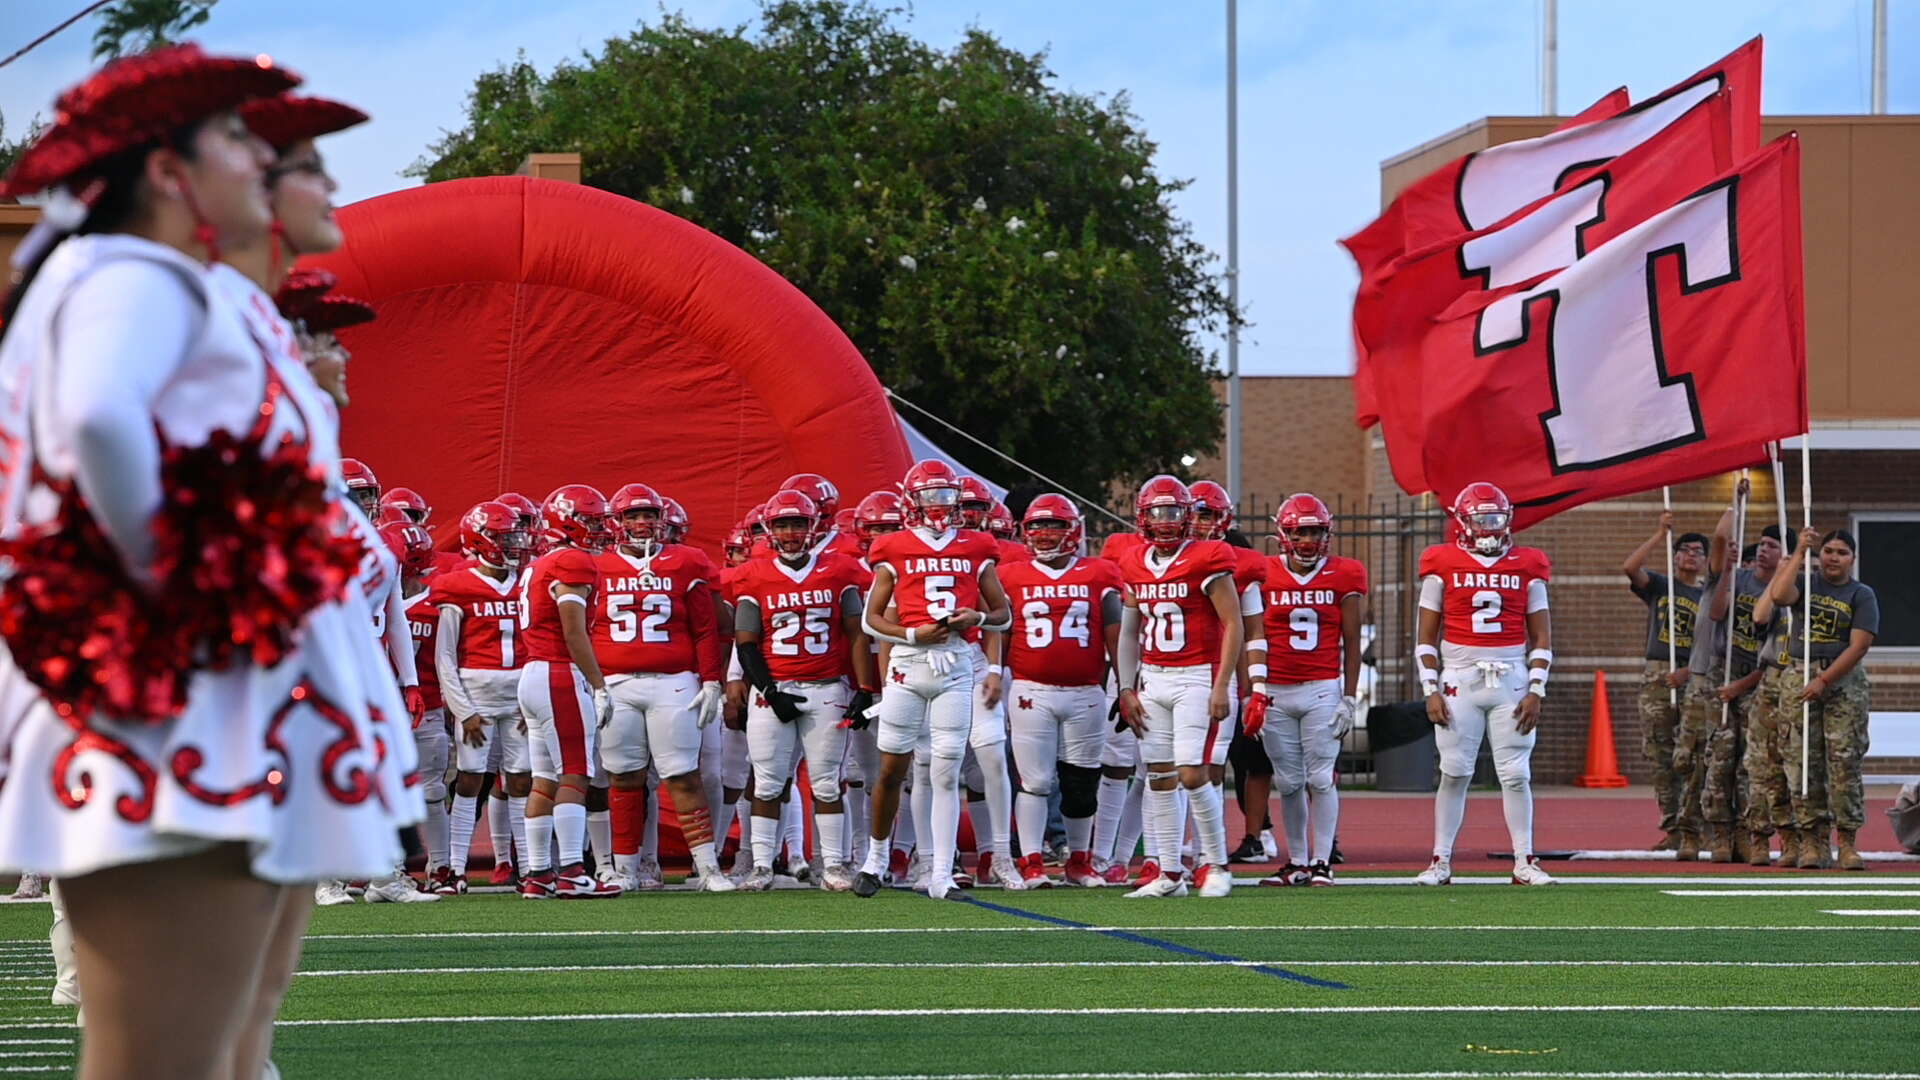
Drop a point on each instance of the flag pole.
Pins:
(1673, 625)
(1806, 613)
(1732, 574)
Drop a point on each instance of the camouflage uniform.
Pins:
(1723, 790)
(1837, 729)
(1769, 807)
(1659, 728)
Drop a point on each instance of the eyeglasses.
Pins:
(311, 168)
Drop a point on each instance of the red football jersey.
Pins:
(654, 614)
(1303, 618)
(1012, 551)
(489, 617)
(423, 616)
(540, 612)
(840, 543)
(944, 572)
(800, 612)
(1058, 635)
(445, 562)
(1121, 543)
(1484, 603)
(1178, 626)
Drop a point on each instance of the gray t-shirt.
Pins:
(1687, 604)
(1709, 635)
(1748, 640)
(1838, 610)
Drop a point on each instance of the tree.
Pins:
(10, 149)
(1001, 250)
(135, 26)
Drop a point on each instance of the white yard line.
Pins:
(1791, 892)
(1871, 912)
(1368, 1075)
(977, 964)
(1042, 928)
(1219, 1010)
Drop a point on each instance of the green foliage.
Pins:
(135, 26)
(1001, 250)
(10, 149)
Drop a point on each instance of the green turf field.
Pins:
(1581, 980)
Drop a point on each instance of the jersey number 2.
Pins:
(1486, 612)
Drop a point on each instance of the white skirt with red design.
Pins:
(309, 763)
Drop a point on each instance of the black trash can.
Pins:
(1401, 739)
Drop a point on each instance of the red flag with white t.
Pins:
(1675, 351)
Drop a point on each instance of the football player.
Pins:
(362, 486)
(826, 499)
(942, 579)
(1066, 626)
(1212, 520)
(798, 636)
(987, 783)
(562, 693)
(1000, 526)
(1307, 704)
(415, 549)
(1483, 654)
(407, 501)
(1180, 640)
(658, 645)
(478, 653)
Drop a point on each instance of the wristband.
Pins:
(1257, 673)
(1543, 655)
(997, 669)
(1429, 687)
(913, 635)
(1259, 687)
(1255, 645)
(1537, 675)
(1538, 690)
(1423, 651)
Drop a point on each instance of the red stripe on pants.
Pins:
(564, 695)
(629, 819)
(1213, 733)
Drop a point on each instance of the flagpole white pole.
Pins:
(1879, 57)
(1806, 612)
(1673, 624)
(1733, 572)
(1549, 58)
(1234, 409)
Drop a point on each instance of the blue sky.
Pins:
(1329, 88)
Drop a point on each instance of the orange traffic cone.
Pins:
(1603, 767)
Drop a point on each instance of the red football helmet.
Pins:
(1000, 521)
(528, 511)
(879, 513)
(677, 521)
(1047, 541)
(1485, 517)
(756, 521)
(577, 515)
(738, 547)
(783, 511)
(491, 533)
(390, 514)
(932, 490)
(845, 521)
(826, 497)
(411, 545)
(976, 503)
(1163, 512)
(1304, 527)
(362, 486)
(631, 521)
(1212, 510)
(409, 502)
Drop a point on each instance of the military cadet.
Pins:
(1757, 804)
(1845, 618)
(1703, 748)
(1666, 671)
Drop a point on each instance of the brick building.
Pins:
(1861, 227)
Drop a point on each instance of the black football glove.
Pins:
(855, 717)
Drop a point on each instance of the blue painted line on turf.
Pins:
(1156, 943)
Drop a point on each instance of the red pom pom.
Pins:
(246, 546)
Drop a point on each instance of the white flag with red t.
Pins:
(1394, 311)
(1675, 351)
(1482, 188)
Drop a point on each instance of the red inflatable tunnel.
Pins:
(535, 333)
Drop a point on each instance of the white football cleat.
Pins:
(743, 861)
(712, 880)
(1214, 881)
(1007, 873)
(331, 893)
(945, 888)
(397, 889)
(1163, 885)
(917, 873)
(646, 873)
(1438, 872)
(837, 878)
(1529, 873)
(31, 887)
(1270, 845)
(759, 879)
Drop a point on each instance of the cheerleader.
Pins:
(186, 791)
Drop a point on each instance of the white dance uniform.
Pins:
(309, 762)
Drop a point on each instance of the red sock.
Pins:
(628, 809)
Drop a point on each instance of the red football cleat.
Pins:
(1033, 871)
(1079, 870)
(983, 867)
(540, 886)
(574, 883)
(503, 873)
(1149, 870)
(898, 864)
(1115, 873)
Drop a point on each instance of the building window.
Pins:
(1887, 543)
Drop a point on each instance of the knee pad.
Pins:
(434, 789)
(944, 773)
(769, 788)
(1514, 775)
(1079, 790)
(1041, 786)
(826, 789)
(1171, 777)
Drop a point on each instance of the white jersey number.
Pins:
(1486, 612)
(625, 625)
(941, 600)
(1166, 629)
(1040, 628)
(811, 630)
(1305, 624)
